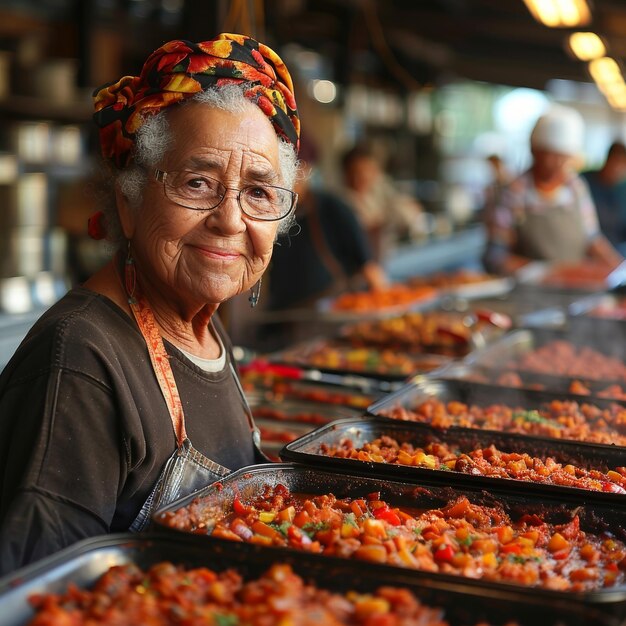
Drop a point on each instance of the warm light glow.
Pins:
(324, 91)
(554, 13)
(617, 100)
(587, 46)
(605, 70)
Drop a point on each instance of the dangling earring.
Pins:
(255, 292)
(294, 229)
(130, 276)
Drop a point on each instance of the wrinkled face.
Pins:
(203, 257)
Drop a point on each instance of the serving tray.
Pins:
(83, 563)
(216, 502)
(449, 389)
(306, 450)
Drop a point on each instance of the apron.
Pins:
(555, 235)
(187, 470)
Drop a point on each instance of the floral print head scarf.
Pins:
(178, 70)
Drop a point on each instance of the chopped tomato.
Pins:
(388, 515)
(242, 509)
(445, 554)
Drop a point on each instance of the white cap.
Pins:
(561, 129)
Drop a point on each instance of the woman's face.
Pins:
(194, 257)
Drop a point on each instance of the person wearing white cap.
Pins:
(547, 213)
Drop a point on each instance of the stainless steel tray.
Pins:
(301, 355)
(606, 337)
(83, 563)
(306, 450)
(298, 411)
(273, 391)
(249, 483)
(484, 395)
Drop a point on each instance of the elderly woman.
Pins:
(123, 396)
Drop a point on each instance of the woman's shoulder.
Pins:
(81, 322)
(81, 307)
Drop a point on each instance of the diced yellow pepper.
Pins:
(371, 606)
(287, 515)
(490, 560)
(374, 528)
(267, 516)
(349, 530)
(557, 542)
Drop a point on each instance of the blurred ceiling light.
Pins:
(587, 46)
(556, 13)
(605, 70)
(617, 100)
(324, 91)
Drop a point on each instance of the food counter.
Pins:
(465, 450)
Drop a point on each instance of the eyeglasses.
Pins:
(202, 193)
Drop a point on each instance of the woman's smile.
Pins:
(220, 254)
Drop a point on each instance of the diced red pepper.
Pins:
(386, 514)
(612, 488)
(445, 553)
(511, 548)
(297, 537)
(240, 508)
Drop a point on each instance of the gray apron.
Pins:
(555, 235)
(187, 470)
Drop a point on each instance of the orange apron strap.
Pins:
(159, 358)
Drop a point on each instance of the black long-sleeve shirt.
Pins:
(85, 431)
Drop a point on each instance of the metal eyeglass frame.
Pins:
(161, 175)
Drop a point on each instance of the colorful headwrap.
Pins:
(178, 70)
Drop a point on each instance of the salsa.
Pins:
(561, 419)
(461, 537)
(170, 595)
(489, 461)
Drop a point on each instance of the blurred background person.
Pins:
(547, 213)
(501, 177)
(386, 214)
(608, 190)
(329, 254)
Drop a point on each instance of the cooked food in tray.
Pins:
(563, 358)
(437, 332)
(170, 594)
(562, 419)
(395, 297)
(335, 355)
(490, 462)
(610, 307)
(276, 389)
(465, 283)
(588, 275)
(517, 379)
(460, 537)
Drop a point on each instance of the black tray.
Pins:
(297, 356)
(291, 409)
(83, 563)
(250, 482)
(352, 398)
(447, 389)
(306, 450)
(558, 385)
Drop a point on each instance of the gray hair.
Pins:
(153, 140)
